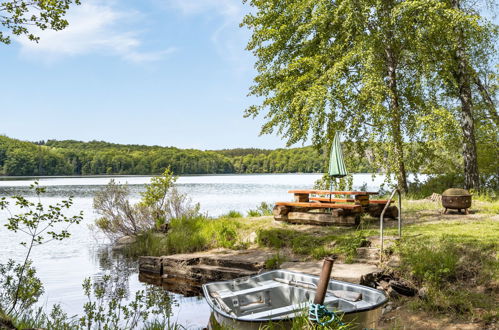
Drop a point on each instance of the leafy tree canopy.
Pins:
(18, 17)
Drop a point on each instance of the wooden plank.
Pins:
(321, 205)
(379, 201)
(308, 218)
(325, 199)
(327, 192)
(348, 200)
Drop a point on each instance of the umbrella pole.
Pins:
(330, 189)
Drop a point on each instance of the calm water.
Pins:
(62, 266)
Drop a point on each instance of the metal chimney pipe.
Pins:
(327, 266)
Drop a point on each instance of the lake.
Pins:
(62, 266)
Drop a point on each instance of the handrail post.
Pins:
(400, 213)
(381, 220)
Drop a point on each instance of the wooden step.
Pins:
(368, 253)
(367, 261)
(388, 241)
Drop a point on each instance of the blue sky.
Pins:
(164, 72)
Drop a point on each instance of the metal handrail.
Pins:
(381, 238)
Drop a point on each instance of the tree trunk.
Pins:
(463, 78)
(494, 117)
(396, 120)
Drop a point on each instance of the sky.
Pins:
(154, 72)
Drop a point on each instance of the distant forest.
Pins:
(69, 157)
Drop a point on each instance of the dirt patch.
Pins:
(404, 318)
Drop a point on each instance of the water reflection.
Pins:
(117, 266)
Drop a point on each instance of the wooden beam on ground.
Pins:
(352, 207)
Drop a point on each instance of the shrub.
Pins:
(232, 214)
(160, 203)
(253, 213)
(27, 290)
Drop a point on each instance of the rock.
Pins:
(384, 284)
(404, 288)
(388, 308)
(392, 293)
(251, 238)
(423, 293)
(152, 265)
(126, 240)
(394, 261)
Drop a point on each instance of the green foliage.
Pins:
(157, 189)
(316, 246)
(434, 263)
(108, 307)
(451, 260)
(302, 322)
(160, 203)
(41, 224)
(264, 209)
(189, 235)
(379, 72)
(232, 214)
(18, 16)
(27, 291)
(275, 261)
(93, 158)
(439, 183)
(327, 182)
(253, 213)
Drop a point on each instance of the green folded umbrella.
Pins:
(337, 167)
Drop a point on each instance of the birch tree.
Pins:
(456, 49)
(325, 66)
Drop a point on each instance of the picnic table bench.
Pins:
(310, 209)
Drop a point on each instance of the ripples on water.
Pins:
(62, 266)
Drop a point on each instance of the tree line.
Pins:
(101, 158)
(69, 157)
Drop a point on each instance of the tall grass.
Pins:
(189, 235)
(264, 209)
(452, 260)
(315, 245)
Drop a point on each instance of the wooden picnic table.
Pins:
(307, 208)
(360, 197)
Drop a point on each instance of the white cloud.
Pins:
(94, 27)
